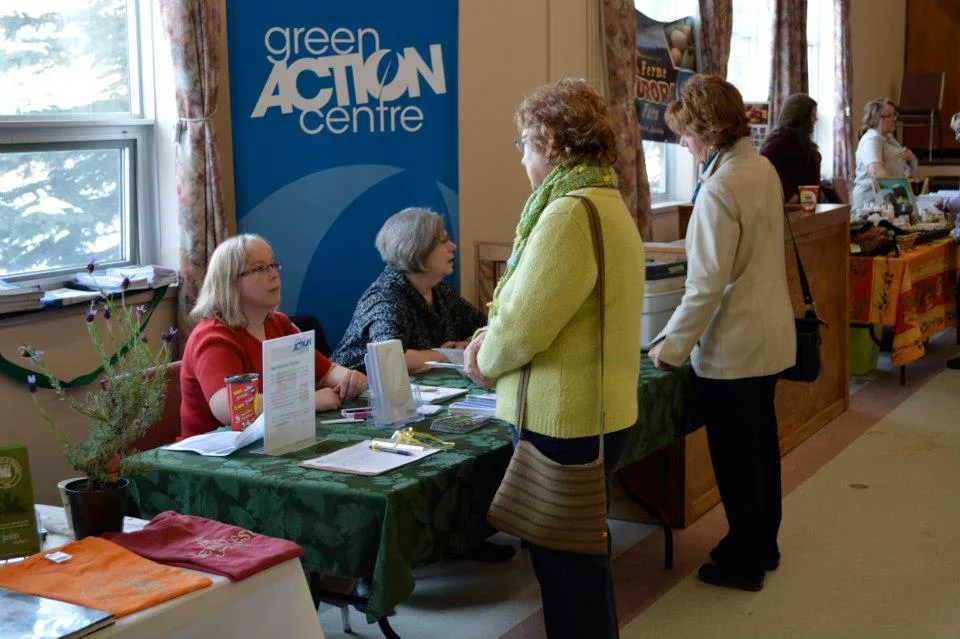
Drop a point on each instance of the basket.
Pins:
(906, 242)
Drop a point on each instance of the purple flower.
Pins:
(141, 309)
(92, 314)
(92, 264)
(32, 383)
(103, 384)
(125, 284)
(168, 335)
(36, 355)
(143, 338)
(106, 312)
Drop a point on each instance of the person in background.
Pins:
(409, 301)
(735, 322)
(545, 313)
(879, 154)
(790, 146)
(236, 310)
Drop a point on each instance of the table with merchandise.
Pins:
(380, 527)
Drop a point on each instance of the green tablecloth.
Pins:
(384, 526)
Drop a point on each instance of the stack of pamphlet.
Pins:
(138, 278)
(477, 404)
(14, 297)
(391, 396)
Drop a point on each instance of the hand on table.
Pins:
(453, 344)
(326, 399)
(352, 385)
(470, 363)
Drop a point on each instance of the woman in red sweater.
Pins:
(236, 310)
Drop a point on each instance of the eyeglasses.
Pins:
(888, 116)
(519, 143)
(260, 269)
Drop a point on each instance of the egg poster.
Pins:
(666, 58)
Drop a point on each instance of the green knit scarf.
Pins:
(567, 177)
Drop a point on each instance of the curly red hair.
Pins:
(568, 120)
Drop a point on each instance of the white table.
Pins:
(272, 603)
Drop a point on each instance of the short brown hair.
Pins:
(567, 120)
(710, 108)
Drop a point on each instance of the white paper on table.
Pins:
(429, 409)
(288, 392)
(360, 459)
(435, 364)
(221, 443)
(453, 355)
(430, 394)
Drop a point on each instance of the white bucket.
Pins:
(657, 309)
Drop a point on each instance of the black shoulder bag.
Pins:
(807, 367)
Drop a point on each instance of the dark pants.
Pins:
(576, 589)
(742, 433)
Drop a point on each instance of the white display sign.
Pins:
(289, 408)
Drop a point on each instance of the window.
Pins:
(75, 136)
(659, 156)
(751, 49)
(821, 76)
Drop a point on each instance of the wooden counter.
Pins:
(679, 479)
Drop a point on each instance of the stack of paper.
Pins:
(106, 282)
(477, 404)
(14, 297)
(221, 443)
(155, 276)
(365, 459)
(58, 297)
(389, 384)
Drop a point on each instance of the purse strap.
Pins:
(804, 284)
(596, 231)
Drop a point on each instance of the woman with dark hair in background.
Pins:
(790, 146)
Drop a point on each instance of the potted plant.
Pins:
(121, 408)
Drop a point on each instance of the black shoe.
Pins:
(718, 576)
(954, 363)
(768, 564)
(489, 553)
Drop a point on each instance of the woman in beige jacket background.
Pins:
(735, 322)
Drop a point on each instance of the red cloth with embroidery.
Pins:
(206, 545)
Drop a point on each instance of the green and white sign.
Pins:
(18, 519)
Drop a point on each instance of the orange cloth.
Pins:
(914, 293)
(100, 575)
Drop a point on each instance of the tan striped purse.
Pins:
(557, 506)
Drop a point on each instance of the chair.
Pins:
(919, 104)
(167, 429)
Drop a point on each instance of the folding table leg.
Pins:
(653, 510)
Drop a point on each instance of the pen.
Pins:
(395, 451)
(359, 409)
(346, 420)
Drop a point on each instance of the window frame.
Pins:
(134, 134)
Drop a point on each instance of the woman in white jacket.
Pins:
(735, 323)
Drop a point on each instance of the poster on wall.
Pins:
(759, 115)
(666, 58)
(342, 116)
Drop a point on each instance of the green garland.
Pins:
(19, 373)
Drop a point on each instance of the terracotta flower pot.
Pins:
(93, 512)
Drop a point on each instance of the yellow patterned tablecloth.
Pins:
(914, 293)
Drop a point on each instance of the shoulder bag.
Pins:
(557, 506)
(807, 366)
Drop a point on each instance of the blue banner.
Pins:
(343, 114)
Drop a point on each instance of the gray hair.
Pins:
(219, 297)
(955, 121)
(407, 238)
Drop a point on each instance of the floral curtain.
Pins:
(716, 29)
(193, 31)
(789, 72)
(843, 66)
(620, 37)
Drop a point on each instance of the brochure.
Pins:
(221, 443)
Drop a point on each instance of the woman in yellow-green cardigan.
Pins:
(545, 313)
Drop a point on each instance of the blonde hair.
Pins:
(407, 239)
(871, 114)
(219, 296)
(711, 109)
